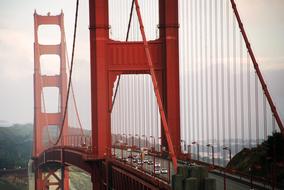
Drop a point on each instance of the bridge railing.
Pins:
(77, 141)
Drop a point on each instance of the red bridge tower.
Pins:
(105, 67)
(42, 120)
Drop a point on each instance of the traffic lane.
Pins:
(230, 183)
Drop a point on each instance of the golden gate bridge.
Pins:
(176, 92)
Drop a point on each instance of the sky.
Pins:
(263, 20)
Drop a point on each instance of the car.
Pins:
(157, 171)
(139, 162)
(157, 164)
(130, 156)
(125, 159)
(150, 162)
(164, 171)
(145, 161)
(118, 157)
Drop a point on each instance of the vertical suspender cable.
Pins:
(211, 72)
(186, 69)
(140, 105)
(273, 124)
(256, 109)
(187, 84)
(196, 71)
(249, 99)
(134, 108)
(235, 85)
(228, 75)
(264, 117)
(150, 114)
(217, 77)
(242, 91)
(192, 73)
(206, 72)
(201, 75)
(145, 106)
(222, 70)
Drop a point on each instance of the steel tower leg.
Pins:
(38, 180)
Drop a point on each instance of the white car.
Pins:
(150, 162)
(157, 171)
(139, 162)
(157, 164)
(146, 161)
(164, 171)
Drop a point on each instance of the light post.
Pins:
(160, 145)
(230, 152)
(132, 139)
(146, 144)
(230, 157)
(189, 152)
(184, 144)
(154, 143)
(115, 144)
(121, 148)
(125, 138)
(153, 150)
(212, 151)
(139, 139)
(132, 144)
(197, 145)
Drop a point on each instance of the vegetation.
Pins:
(264, 160)
(16, 150)
(8, 186)
(79, 179)
(15, 146)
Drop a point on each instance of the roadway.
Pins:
(232, 182)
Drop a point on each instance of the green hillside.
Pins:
(5, 185)
(15, 146)
(16, 149)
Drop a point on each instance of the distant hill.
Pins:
(16, 148)
(15, 145)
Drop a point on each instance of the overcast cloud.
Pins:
(263, 19)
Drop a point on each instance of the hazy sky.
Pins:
(263, 19)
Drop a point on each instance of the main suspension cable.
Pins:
(70, 73)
